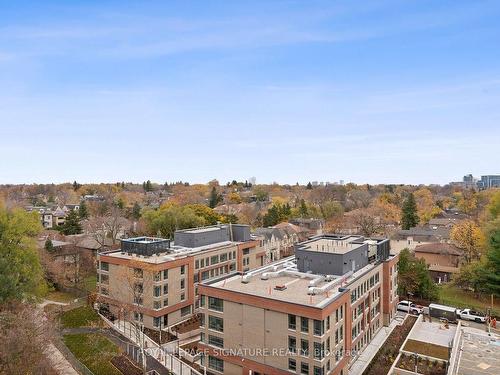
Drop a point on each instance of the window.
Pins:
(138, 272)
(319, 350)
(157, 276)
(292, 364)
(216, 304)
(215, 363)
(304, 347)
(104, 279)
(292, 344)
(186, 310)
(183, 296)
(105, 291)
(183, 283)
(319, 327)
(216, 341)
(202, 301)
(234, 254)
(318, 370)
(138, 317)
(196, 278)
(156, 322)
(165, 302)
(205, 275)
(328, 322)
(197, 264)
(202, 337)
(216, 323)
(223, 257)
(214, 259)
(292, 322)
(304, 324)
(304, 368)
(165, 289)
(165, 274)
(202, 320)
(183, 270)
(105, 266)
(157, 305)
(246, 251)
(138, 300)
(156, 291)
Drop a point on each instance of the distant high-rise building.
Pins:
(489, 181)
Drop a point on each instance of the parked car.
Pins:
(476, 316)
(443, 312)
(410, 307)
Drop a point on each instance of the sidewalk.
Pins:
(60, 364)
(369, 352)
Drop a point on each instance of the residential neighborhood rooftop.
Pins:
(282, 281)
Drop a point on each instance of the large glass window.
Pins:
(215, 363)
(216, 304)
(292, 322)
(105, 266)
(292, 344)
(186, 310)
(319, 327)
(216, 323)
(304, 347)
(319, 350)
(216, 341)
(157, 291)
(304, 324)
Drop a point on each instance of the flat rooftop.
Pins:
(333, 246)
(296, 284)
(433, 333)
(480, 354)
(173, 253)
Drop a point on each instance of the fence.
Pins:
(68, 354)
(162, 354)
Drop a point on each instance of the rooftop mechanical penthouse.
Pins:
(155, 280)
(306, 314)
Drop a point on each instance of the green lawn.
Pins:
(89, 283)
(80, 317)
(60, 296)
(94, 351)
(453, 296)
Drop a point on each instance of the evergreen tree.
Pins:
(49, 246)
(303, 208)
(71, 224)
(309, 186)
(493, 262)
(409, 217)
(83, 211)
(215, 198)
(136, 211)
(76, 186)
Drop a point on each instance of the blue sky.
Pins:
(364, 91)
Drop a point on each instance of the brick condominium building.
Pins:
(154, 280)
(306, 314)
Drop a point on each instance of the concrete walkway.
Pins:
(59, 363)
(359, 365)
(49, 302)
